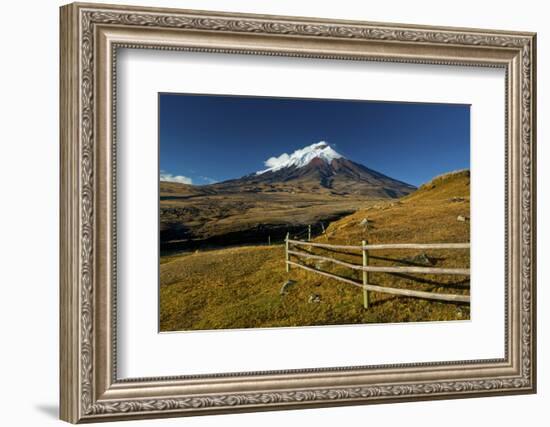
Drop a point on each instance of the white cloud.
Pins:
(301, 157)
(274, 162)
(175, 178)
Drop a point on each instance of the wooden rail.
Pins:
(386, 246)
(420, 270)
(365, 268)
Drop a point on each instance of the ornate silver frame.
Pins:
(90, 36)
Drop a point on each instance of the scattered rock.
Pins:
(422, 259)
(457, 199)
(462, 218)
(286, 286)
(365, 223)
(320, 264)
(314, 299)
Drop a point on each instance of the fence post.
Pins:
(324, 231)
(269, 240)
(365, 275)
(287, 256)
(309, 233)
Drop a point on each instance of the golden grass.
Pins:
(240, 287)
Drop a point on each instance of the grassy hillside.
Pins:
(428, 215)
(240, 287)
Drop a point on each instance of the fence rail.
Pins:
(388, 269)
(365, 268)
(385, 246)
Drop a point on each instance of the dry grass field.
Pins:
(240, 287)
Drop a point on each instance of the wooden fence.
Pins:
(365, 268)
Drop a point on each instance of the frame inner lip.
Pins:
(330, 371)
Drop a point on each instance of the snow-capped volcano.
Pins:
(302, 157)
(316, 168)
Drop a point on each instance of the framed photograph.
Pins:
(229, 237)
(266, 212)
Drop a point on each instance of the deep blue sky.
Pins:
(214, 138)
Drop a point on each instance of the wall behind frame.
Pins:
(29, 171)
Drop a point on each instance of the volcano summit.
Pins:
(318, 168)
